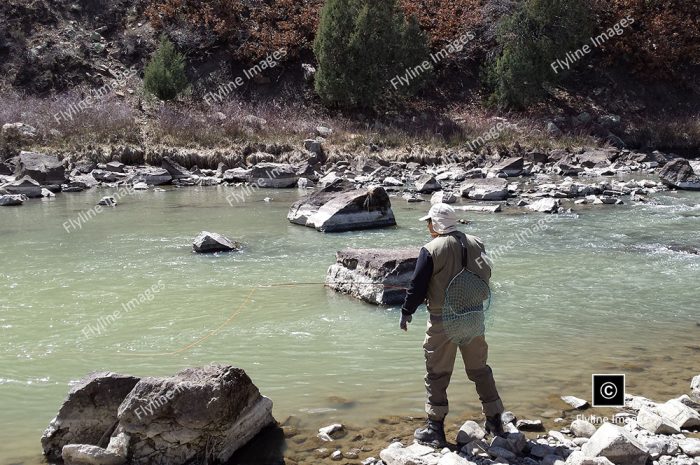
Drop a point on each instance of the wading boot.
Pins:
(494, 425)
(432, 435)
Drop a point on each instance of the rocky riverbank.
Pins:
(532, 180)
(642, 432)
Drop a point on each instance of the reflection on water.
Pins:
(597, 292)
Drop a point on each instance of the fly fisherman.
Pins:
(438, 263)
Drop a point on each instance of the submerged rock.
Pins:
(108, 201)
(11, 200)
(680, 175)
(45, 169)
(208, 242)
(337, 208)
(377, 276)
(88, 414)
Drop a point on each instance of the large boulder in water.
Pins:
(680, 175)
(199, 415)
(89, 413)
(207, 242)
(45, 169)
(11, 200)
(377, 276)
(25, 186)
(273, 175)
(338, 208)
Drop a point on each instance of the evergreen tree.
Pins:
(360, 46)
(536, 34)
(165, 75)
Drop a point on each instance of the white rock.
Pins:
(661, 445)
(391, 181)
(419, 449)
(442, 197)
(84, 454)
(637, 402)
(617, 445)
(141, 186)
(678, 414)
(654, 423)
(396, 454)
(337, 455)
(575, 402)
(107, 201)
(453, 458)
(470, 431)
(546, 205)
(578, 458)
(328, 433)
(695, 384)
(582, 428)
(690, 446)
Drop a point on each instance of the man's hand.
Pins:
(405, 320)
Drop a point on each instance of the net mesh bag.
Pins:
(467, 299)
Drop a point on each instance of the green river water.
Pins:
(594, 292)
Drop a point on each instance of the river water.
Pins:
(580, 294)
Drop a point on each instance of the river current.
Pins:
(599, 291)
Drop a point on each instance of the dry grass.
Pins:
(235, 123)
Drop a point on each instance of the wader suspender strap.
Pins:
(465, 250)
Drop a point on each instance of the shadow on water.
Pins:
(267, 448)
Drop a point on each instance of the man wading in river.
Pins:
(438, 263)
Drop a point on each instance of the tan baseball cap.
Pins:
(443, 218)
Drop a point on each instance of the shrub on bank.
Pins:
(360, 46)
(535, 35)
(165, 75)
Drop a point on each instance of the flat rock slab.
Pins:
(376, 276)
(339, 207)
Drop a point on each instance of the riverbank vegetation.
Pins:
(490, 62)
